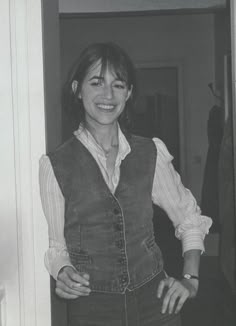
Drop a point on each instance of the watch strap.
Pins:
(190, 276)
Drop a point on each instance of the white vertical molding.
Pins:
(9, 271)
(2, 306)
(38, 147)
(20, 84)
(29, 144)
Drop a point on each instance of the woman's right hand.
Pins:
(71, 284)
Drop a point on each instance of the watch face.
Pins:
(187, 276)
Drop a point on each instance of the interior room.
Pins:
(182, 51)
(183, 68)
(182, 59)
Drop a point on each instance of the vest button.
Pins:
(119, 244)
(124, 279)
(121, 260)
(118, 227)
(116, 211)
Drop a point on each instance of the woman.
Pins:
(97, 192)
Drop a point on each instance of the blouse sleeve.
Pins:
(53, 204)
(178, 202)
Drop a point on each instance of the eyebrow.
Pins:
(96, 77)
(102, 78)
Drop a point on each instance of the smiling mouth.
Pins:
(106, 106)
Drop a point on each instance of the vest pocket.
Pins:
(150, 242)
(79, 259)
(152, 248)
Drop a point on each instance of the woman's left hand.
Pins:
(177, 293)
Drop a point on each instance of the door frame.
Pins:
(25, 288)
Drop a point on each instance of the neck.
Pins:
(105, 135)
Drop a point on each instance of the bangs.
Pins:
(115, 67)
(116, 62)
(111, 57)
(108, 56)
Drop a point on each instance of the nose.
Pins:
(108, 91)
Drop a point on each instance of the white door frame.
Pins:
(25, 282)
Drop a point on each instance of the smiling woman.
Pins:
(24, 233)
(105, 80)
(98, 191)
(104, 97)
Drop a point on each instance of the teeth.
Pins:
(105, 106)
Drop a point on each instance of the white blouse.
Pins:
(168, 192)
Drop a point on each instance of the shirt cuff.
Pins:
(54, 263)
(193, 239)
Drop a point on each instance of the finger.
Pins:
(182, 300)
(167, 298)
(160, 288)
(66, 289)
(74, 289)
(66, 280)
(86, 276)
(79, 278)
(82, 290)
(72, 278)
(175, 296)
(166, 282)
(65, 295)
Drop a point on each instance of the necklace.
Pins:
(110, 150)
(107, 152)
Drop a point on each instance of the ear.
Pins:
(74, 86)
(129, 92)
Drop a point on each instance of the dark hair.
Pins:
(111, 56)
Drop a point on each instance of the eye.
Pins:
(96, 82)
(120, 85)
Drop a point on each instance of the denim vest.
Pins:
(108, 236)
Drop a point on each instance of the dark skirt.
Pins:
(139, 307)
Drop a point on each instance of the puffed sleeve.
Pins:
(178, 202)
(53, 204)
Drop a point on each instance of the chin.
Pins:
(107, 120)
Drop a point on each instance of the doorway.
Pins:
(199, 69)
(157, 111)
(157, 108)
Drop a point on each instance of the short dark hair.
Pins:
(111, 56)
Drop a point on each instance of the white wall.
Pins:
(185, 38)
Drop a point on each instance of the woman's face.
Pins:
(103, 97)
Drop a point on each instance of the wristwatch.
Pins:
(189, 276)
